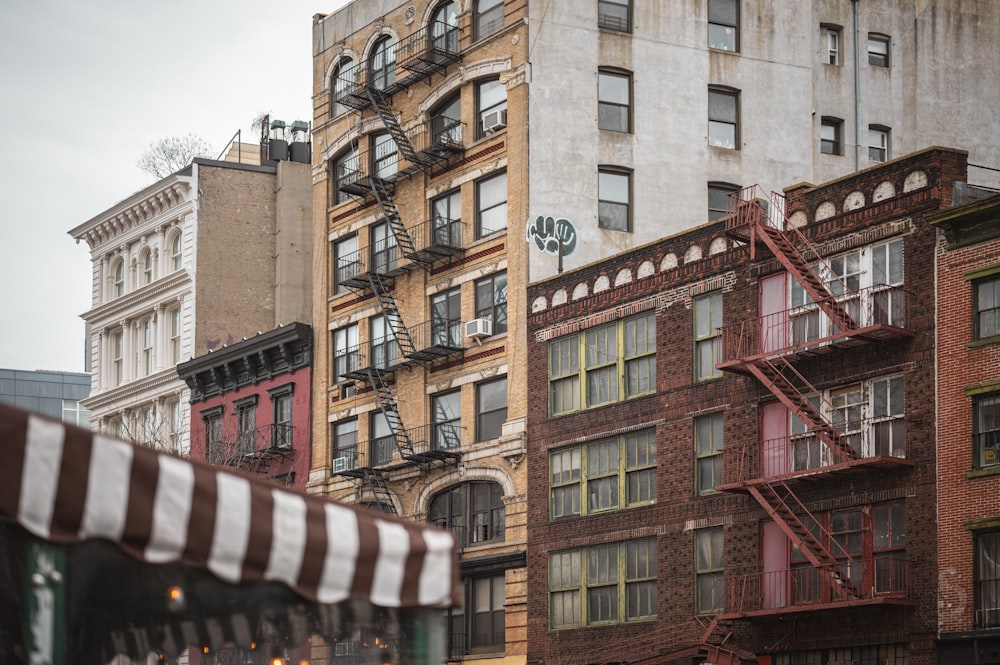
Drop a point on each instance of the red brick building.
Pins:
(250, 404)
(968, 441)
(733, 459)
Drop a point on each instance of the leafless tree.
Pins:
(171, 154)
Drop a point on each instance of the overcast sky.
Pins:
(85, 87)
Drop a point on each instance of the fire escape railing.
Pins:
(255, 450)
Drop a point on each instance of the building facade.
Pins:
(733, 458)
(202, 258)
(54, 394)
(420, 365)
(968, 431)
(251, 404)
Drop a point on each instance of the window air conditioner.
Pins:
(478, 328)
(494, 121)
(339, 464)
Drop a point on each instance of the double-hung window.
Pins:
(609, 583)
(345, 351)
(878, 143)
(345, 445)
(491, 301)
(446, 318)
(147, 347)
(830, 141)
(724, 25)
(718, 199)
(619, 362)
(491, 106)
(147, 267)
(176, 254)
(607, 474)
(987, 579)
(385, 156)
(491, 408)
(381, 439)
(446, 420)
(708, 441)
(384, 249)
(342, 84)
(382, 64)
(281, 405)
(614, 15)
(346, 262)
(986, 307)
(986, 430)
(212, 419)
(831, 44)
(118, 285)
(723, 118)
(878, 50)
(707, 336)
(487, 18)
(447, 220)
(709, 549)
(614, 200)
(491, 205)
(614, 101)
(117, 358)
(345, 172)
(382, 343)
(246, 423)
(174, 327)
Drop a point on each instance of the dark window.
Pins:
(384, 347)
(446, 420)
(491, 301)
(491, 205)
(986, 308)
(709, 546)
(346, 262)
(614, 100)
(345, 171)
(723, 119)
(474, 511)
(878, 143)
(341, 85)
(614, 198)
(491, 106)
(281, 403)
(345, 351)
(718, 199)
(878, 50)
(446, 318)
(486, 603)
(345, 445)
(382, 64)
(987, 580)
(446, 122)
(724, 25)
(986, 430)
(384, 250)
(614, 15)
(213, 435)
(707, 336)
(385, 156)
(382, 441)
(491, 408)
(444, 28)
(246, 422)
(447, 220)
(487, 18)
(830, 140)
(708, 442)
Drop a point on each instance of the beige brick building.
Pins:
(420, 369)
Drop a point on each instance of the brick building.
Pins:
(968, 431)
(734, 459)
(251, 404)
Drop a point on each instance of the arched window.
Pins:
(175, 252)
(444, 28)
(473, 511)
(118, 282)
(147, 266)
(342, 84)
(382, 64)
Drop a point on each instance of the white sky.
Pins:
(85, 87)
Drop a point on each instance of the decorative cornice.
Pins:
(147, 296)
(165, 197)
(119, 397)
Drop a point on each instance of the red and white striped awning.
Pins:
(66, 485)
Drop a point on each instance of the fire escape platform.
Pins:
(822, 473)
(892, 600)
(816, 347)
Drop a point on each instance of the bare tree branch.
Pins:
(171, 154)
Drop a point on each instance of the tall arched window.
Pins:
(147, 266)
(118, 282)
(473, 511)
(382, 64)
(176, 258)
(341, 85)
(444, 28)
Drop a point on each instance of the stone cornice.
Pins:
(142, 298)
(144, 207)
(162, 383)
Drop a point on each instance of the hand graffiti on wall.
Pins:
(550, 234)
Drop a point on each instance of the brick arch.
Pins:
(422, 503)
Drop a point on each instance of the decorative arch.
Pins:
(826, 210)
(540, 304)
(580, 291)
(669, 262)
(692, 254)
(646, 268)
(343, 54)
(602, 283)
(718, 246)
(457, 476)
(624, 276)
(884, 190)
(559, 297)
(915, 180)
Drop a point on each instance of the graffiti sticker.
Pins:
(549, 234)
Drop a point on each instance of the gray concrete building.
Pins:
(54, 394)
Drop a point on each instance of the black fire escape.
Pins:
(373, 177)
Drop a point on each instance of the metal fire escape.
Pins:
(760, 222)
(434, 143)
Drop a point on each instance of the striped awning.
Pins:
(67, 485)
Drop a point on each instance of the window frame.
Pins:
(723, 24)
(724, 188)
(447, 230)
(342, 249)
(344, 167)
(118, 278)
(709, 454)
(878, 154)
(609, 74)
(177, 251)
(834, 145)
(583, 367)
(987, 613)
(146, 258)
(572, 471)
(484, 433)
(447, 128)
(986, 435)
(712, 338)
(608, 19)
(174, 334)
(212, 420)
(147, 340)
(246, 424)
(712, 571)
(484, 22)
(341, 86)
(344, 351)
(498, 205)
(488, 85)
(444, 27)
(494, 309)
(116, 351)
(575, 574)
(282, 408)
(832, 38)
(459, 509)
(876, 57)
(446, 429)
(446, 318)
(605, 220)
(344, 442)
(381, 438)
(980, 288)
(718, 125)
(382, 63)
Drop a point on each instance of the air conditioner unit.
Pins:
(478, 328)
(339, 464)
(494, 121)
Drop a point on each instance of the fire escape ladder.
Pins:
(381, 105)
(391, 213)
(774, 378)
(778, 500)
(387, 403)
(387, 304)
(374, 482)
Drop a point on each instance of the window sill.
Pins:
(983, 473)
(985, 341)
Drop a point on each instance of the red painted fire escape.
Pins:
(760, 222)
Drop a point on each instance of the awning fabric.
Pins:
(67, 485)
